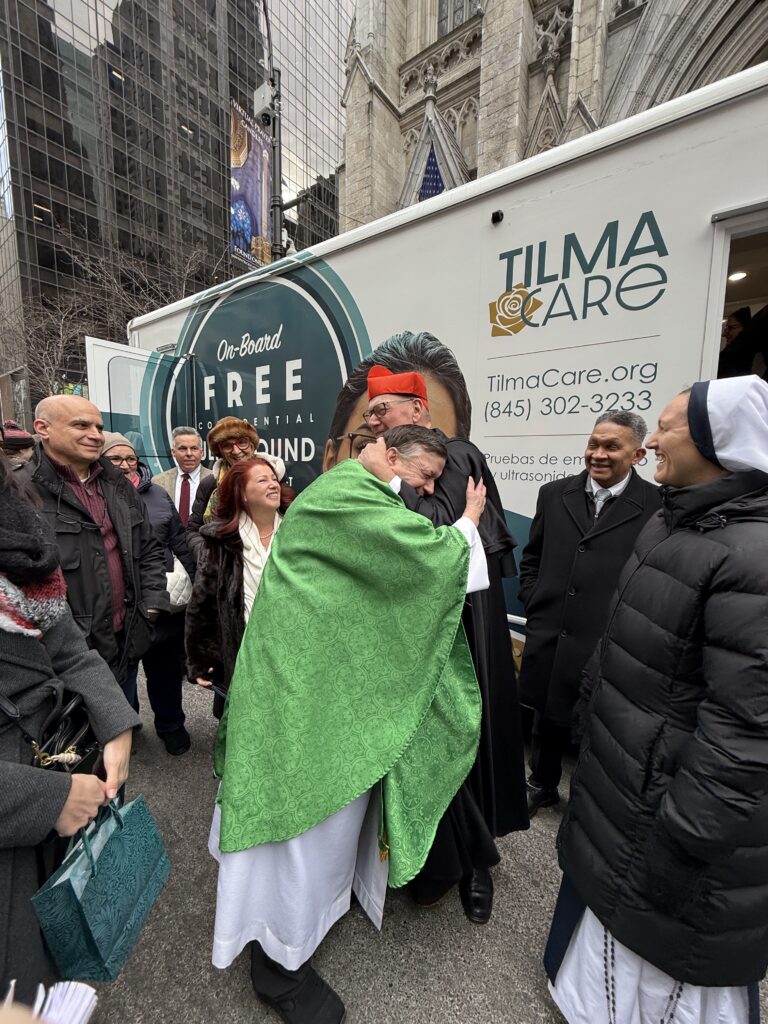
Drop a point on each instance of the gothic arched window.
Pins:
(451, 14)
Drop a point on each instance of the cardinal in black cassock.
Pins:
(492, 801)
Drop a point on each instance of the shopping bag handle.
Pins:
(104, 813)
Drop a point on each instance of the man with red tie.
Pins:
(182, 483)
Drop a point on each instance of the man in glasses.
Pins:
(492, 802)
(113, 565)
(182, 482)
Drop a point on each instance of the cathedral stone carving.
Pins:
(512, 78)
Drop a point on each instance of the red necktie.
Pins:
(184, 499)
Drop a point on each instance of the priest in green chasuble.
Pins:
(352, 719)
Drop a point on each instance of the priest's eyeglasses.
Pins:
(242, 443)
(382, 408)
(357, 442)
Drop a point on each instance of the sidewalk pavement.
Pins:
(424, 967)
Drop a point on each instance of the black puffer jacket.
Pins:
(166, 522)
(666, 835)
(172, 537)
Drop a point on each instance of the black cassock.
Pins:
(492, 802)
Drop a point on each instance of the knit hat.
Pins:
(728, 420)
(15, 439)
(382, 381)
(228, 428)
(112, 440)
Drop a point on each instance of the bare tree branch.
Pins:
(107, 292)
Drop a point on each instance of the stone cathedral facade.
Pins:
(441, 91)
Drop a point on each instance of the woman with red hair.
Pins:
(236, 545)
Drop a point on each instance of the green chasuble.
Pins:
(354, 670)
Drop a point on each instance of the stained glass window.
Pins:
(432, 183)
(451, 14)
(442, 18)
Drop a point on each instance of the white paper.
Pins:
(69, 1002)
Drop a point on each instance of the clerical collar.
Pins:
(616, 489)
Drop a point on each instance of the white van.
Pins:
(589, 278)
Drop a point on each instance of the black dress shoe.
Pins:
(176, 742)
(476, 891)
(299, 997)
(539, 796)
(312, 1002)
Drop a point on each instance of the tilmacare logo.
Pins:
(579, 291)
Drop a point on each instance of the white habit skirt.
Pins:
(642, 991)
(288, 895)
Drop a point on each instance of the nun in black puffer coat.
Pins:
(665, 839)
(666, 835)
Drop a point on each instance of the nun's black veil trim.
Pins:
(698, 421)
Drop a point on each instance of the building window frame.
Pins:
(451, 14)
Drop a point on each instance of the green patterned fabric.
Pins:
(354, 669)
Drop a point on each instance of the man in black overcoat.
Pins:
(492, 802)
(582, 534)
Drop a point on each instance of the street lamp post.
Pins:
(276, 206)
(276, 202)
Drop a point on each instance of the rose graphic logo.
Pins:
(506, 312)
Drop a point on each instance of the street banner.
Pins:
(250, 236)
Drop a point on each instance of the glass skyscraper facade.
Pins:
(310, 37)
(115, 122)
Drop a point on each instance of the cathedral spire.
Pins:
(437, 163)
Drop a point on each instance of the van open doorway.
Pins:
(744, 340)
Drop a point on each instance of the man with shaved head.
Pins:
(113, 565)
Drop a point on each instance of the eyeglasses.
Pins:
(356, 440)
(83, 524)
(117, 460)
(241, 443)
(381, 409)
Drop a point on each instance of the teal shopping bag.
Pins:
(92, 909)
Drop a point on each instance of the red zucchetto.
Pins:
(382, 381)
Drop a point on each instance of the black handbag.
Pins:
(66, 742)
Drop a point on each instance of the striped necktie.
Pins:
(600, 496)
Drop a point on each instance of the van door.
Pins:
(121, 380)
(736, 341)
